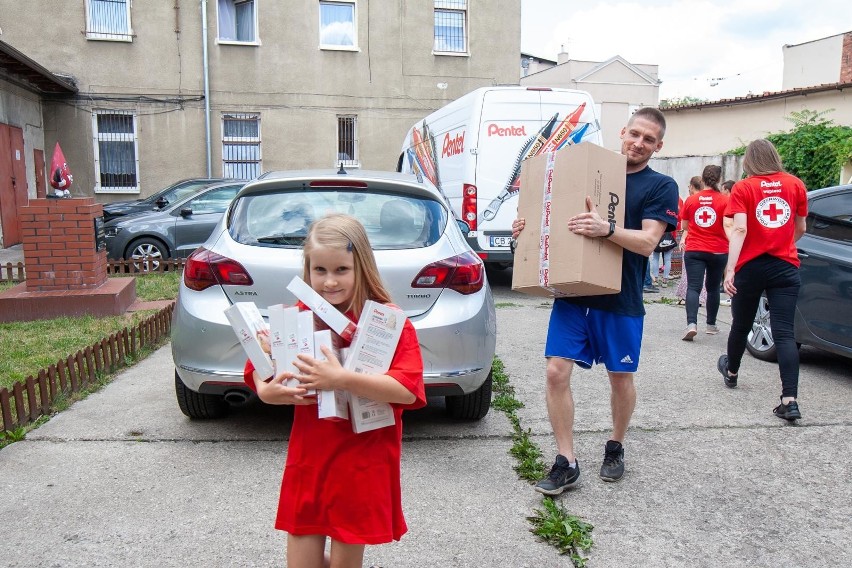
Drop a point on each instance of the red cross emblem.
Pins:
(773, 212)
(705, 216)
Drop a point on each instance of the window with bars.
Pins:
(116, 152)
(108, 19)
(237, 21)
(337, 25)
(241, 146)
(347, 141)
(450, 26)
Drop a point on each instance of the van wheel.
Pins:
(197, 405)
(472, 406)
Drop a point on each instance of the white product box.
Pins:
(372, 351)
(331, 404)
(246, 320)
(335, 319)
(305, 340)
(282, 335)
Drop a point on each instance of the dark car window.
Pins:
(184, 191)
(830, 217)
(392, 221)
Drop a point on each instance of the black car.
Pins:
(162, 198)
(824, 308)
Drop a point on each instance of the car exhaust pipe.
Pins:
(236, 397)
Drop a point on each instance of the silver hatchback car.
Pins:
(425, 261)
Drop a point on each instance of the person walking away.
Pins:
(706, 249)
(695, 185)
(608, 329)
(662, 257)
(338, 484)
(769, 209)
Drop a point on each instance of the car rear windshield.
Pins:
(392, 221)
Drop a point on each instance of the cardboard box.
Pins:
(246, 321)
(331, 404)
(334, 318)
(372, 351)
(550, 260)
(282, 336)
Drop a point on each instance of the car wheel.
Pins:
(472, 406)
(146, 254)
(760, 343)
(197, 405)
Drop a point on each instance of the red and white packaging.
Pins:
(331, 404)
(305, 340)
(247, 322)
(371, 352)
(334, 318)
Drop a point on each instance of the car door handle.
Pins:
(803, 255)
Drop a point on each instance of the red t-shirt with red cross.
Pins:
(704, 213)
(771, 204)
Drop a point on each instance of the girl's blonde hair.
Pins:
(344, 232)
(761, 158)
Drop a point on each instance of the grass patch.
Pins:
(567, 533)
(27, 347)
(506, 305)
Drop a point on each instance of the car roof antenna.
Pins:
(341, 170)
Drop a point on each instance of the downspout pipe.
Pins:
(206, 85)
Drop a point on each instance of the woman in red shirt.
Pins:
(338, 484)
(769, 210)
(706, 245)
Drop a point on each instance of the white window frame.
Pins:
(354, 161)
(219, 18)
(245, 140)
(97, 137)
(126, 36)
(338, 47)
(444, 6)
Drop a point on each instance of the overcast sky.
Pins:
(708, 49)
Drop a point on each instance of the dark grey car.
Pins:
(172, 232)
(824, 308)
(175, 192)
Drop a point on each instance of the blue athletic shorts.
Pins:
(588, 336)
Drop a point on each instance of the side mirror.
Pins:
(186, 212)
(463, 227)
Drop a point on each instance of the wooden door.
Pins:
(41, 186)
(8, 209)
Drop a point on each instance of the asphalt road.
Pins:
(713, 478)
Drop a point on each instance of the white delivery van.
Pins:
(472, 150)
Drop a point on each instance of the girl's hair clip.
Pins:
(349, 246)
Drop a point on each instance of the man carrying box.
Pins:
(608, 328)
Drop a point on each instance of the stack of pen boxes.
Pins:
(293, 332)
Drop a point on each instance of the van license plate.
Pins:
(500, 241)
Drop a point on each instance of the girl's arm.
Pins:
(685, 226)
(735, 247)
(801, 225)
(330, 375)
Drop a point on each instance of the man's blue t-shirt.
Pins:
(648, 195)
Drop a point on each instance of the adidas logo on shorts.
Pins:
(627, 359)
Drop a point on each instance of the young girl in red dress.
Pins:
(338, 484)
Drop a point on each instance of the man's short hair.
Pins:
(652, 114)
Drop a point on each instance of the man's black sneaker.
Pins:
(650, 289)
(561, 477)
(722, 365)
(789, 411)
(613, 463)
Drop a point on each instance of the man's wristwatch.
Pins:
(611, 229)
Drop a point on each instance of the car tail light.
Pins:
(464, 273)
(469, 211)
(205, 268)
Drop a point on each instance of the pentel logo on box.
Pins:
(452, 145)
(494, 130)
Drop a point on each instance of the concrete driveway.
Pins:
(713, 479)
